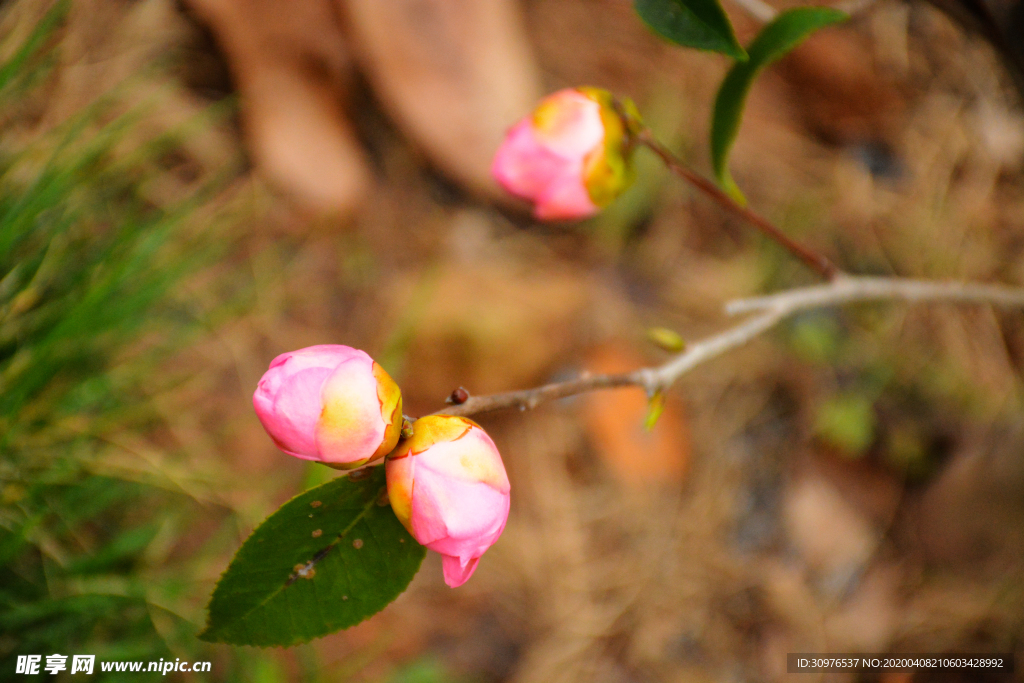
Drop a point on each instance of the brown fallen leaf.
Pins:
(454, 74)
(615, 422)
(833, 537)
(290, 65)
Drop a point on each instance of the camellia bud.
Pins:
(572, 156)
(330, 403)
(448, 486)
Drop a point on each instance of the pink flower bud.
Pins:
(571, 157)
(330, 403)
(448, 486)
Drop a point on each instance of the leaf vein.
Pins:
(320, 555)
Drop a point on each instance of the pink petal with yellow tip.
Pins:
(399, 473)
(543, 157)
(472, 457)
(390, 399)
(448, 487)
(569, 124)
(350, 427)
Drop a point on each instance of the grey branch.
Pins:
(847, 289)
(758, 9)
(770, 311)
(764, 13)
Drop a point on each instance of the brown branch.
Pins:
(771, 310)
(813, 259)
(528, 399)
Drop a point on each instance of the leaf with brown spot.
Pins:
(351, 554)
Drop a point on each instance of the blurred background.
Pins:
(188, 189)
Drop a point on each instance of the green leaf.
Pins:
(784, 33)
(700, 24)
(326, 560)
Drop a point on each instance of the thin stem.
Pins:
(528, 399)
(818, 262)
(771, 310)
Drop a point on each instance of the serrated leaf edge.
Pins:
(208, 634)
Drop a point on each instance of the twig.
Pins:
(771, 310)
(846, 289)
(528, 399)
(758, 9)
(814, 260)
(852, 7)
(764, 13)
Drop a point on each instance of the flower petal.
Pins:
(399, 473)
(456, 517)
(566, 197)
(457, 571)
(390, 398)
(472, 457)
(350, 427)
(523, 165)
(288, 405)
(569, 123)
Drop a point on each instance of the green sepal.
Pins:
(609, 170)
